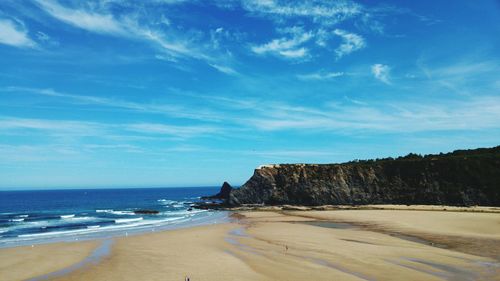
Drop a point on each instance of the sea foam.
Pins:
(128, 220)
(109, 211)
(67, 216)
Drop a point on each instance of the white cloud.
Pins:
(37, 153)
(172, 130)
(125, 26)
(296, 53)
(322, 37)
(350, 42)
(14, 35)
(224, 69)
(90, 21)
(172, 110)
(471, 114)
(58, 127)
(171, 1)
(292, 153)
(42, 36)
(381, 72)
(462, 69)
(326, 12)
(320, 75)
(76, 129)
(46, 39)
(465, 76)
(318, 16)
(286, 47)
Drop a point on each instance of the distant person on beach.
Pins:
(187, 278)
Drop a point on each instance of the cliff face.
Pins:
(470, 177)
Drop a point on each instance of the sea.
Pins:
(42, 216)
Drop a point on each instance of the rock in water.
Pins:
(146, 212)
(223, 194)
(464, 177)
(224, 190)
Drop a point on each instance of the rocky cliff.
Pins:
(465, 177)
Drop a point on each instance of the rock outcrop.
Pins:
(223, 193)
(463, 177)
(146, 212)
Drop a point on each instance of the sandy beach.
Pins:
(286, 245)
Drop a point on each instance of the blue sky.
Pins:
(111, 93)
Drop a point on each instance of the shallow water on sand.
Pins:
(103, 250)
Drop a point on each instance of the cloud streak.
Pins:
(285, 47)
(478, 113)
(475, 114)
(326, 12)
(172, 110)
(133, 27)
(320, 76)
(351, 42)
(76, 129)
(318, 16)
(381, 72)
(14, 34)
(172, 130)
(125, 26)
(224, 69)
(87, 20)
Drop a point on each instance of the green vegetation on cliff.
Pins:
(462, 177)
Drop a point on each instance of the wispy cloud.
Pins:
(88, 20)
(107, 23)
(173, 43)
(461, 69)
(99, 130)
(320, 75)
(351, 42)
(465, 76)
(327, 12)
(57, 127)
(285, 47)
(15, 34)
(477, 113)
(381, 72)
(292, 154)
(37, 153)
(46, 39)
(224, 69)
(120, 147)
(172, 110)
(172, 130)
(318, 16)
(295, 54)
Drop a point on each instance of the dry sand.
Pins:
(374, 245)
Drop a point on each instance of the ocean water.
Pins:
(31, 217)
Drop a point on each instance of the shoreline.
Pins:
(100, 234)
(394, 207)
(278, 245)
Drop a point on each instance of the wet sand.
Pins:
(24, 263)
(287, 245)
